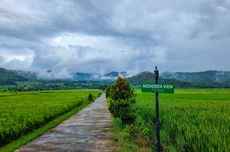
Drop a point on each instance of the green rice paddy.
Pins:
(191, 120)
(23, 112)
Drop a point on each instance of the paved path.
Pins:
(87, 131)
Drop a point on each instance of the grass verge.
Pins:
(129, 138)
(121, 137)
(38, 132)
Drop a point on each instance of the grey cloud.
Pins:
(2, 60)
(114, 35)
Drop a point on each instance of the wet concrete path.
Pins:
(87, 131)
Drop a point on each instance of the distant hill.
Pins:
(10, 76)
(27, 75)
(206, 79)
(146, 76)
(211, 76)
(78, 76)
(149, 77)
(115, 74)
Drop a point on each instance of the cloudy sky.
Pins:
(121, 35)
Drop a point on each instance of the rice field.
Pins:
(191, 120)
(22, 112)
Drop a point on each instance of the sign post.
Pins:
(156, 73)
(157, 88)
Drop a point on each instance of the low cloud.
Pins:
(60, 74)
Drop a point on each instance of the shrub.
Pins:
(139, 129)
(99, 94)
(122, 97)
(90, 97)
(121, 90)
(123, 110)
(107, 91)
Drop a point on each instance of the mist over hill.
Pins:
(147, 76)
(206, 79)
(211, 76)
(79, 76)
(12, 76)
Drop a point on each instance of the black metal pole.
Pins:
(156, 73)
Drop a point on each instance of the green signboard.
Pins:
(161, 88)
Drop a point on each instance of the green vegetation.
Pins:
(35, 133)
(191, 120)
(90, 97)
(23, 112)
(121, 97)
(38, 85)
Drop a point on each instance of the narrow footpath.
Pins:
(87, 131)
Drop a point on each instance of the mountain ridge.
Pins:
(212, 78)
(147, 76)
